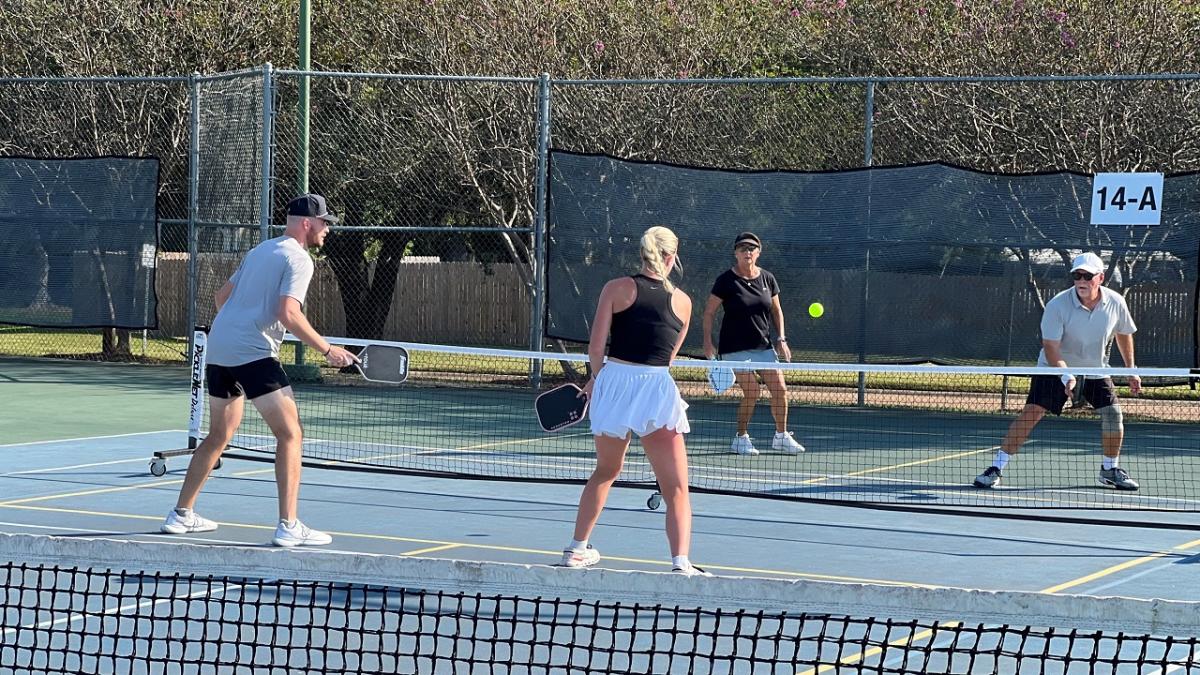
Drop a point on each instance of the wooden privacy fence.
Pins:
(471, 304)
(438, 302)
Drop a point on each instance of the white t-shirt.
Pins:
(247, 328)
(1085, 335)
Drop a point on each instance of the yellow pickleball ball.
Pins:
(816, 309)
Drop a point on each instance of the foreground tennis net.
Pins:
(913, 435)
(103, 606)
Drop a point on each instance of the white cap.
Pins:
(1088, 262)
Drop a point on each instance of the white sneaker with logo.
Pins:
(784, 441)
(742, 445)
(298, 534)
(192, 522)
(585, 558)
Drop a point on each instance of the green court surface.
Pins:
(45, 399)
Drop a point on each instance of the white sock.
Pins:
(578, 545)
(680, 562)
(183, 512)
(1110, 462)
(289, 524)
(1001, 460)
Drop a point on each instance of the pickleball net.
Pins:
(911, 435)
(107, 606)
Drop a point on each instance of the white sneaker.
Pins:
(783, 441)
(691, 571)
(585, 558)
(742, 445)
(192, 522)
(299, 535)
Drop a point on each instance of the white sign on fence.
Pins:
(1127, 199)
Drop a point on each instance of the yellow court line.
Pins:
(855, 658)
(1105, 572)
(441, 545)
(97, 491)
(921, 635)
(432, 549)
(879, 469)
(249, 472)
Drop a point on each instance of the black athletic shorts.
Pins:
(249, 379)
(1049, 392)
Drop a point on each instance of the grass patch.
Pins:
(87, 344)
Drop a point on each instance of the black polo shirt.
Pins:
(747, 305)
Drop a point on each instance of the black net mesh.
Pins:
(911, 435)
(194, 609)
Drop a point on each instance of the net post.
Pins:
(539, 231)
(196, 411)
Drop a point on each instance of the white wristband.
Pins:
(1066, 379)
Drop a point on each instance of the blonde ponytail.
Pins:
(659, 242)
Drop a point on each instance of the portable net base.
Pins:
(104, 606)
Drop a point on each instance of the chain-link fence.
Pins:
(441, 180)
(89, 117)
(433, 178)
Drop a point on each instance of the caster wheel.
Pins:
(158, 467)
(654, 502)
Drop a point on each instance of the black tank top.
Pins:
(646, 332)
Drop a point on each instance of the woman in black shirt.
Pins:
(750, 298)
(643, 320)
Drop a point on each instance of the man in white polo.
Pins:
(262, 299)
(1078, 327)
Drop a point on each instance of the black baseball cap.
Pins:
(747, 238)
(310, 206)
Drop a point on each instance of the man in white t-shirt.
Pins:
(1078, 327)
(262, 300)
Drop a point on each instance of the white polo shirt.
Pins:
(247, 328)
(1085, 335)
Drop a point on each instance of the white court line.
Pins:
(944, 640)
(74, 466)
(1113, 584)
(93, 438)
(154, 538)
(121, 609)
(54, 527)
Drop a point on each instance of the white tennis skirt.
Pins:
(641, 399)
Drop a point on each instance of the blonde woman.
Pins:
(643, 318)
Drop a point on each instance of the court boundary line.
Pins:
(182, 539)
(922, 635)
(92, 438)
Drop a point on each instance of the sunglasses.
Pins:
(742, 248)
(1086, 276)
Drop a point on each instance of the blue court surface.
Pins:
(100, 487)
